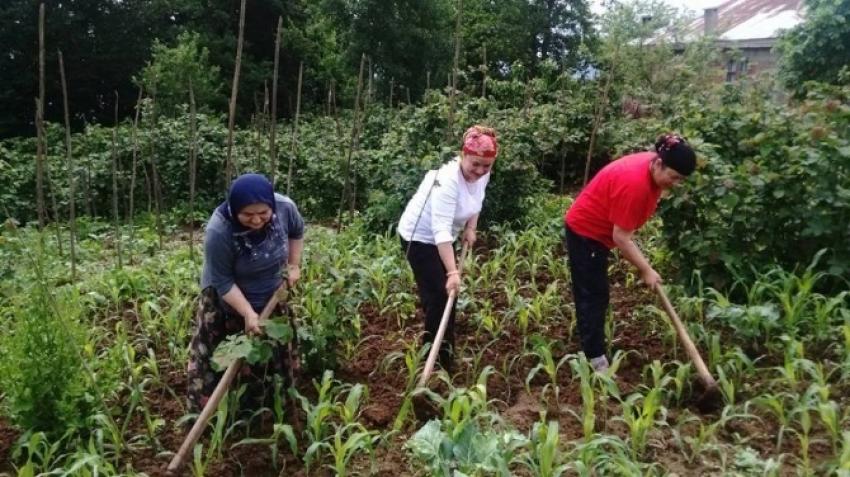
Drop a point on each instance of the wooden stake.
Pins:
(295, 131)
(115, 215)
(156, 183)
(273, 119)
(193, 160)
(597, 117)
(69, 159)
(39, 125)
(234, 91)
(452, 99)
(484, 72)
(131, 212)
(352, 144)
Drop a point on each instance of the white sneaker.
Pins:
(599, 364)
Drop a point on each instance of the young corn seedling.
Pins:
(349, 410)
(544, 458)
(318, 415)
(804, 436)
(727, 386)
(279, 432)
(349, 440)
(777, 405)
(542, 350)
(414, 358)
(639, 415)
(831, 419)
(582, 369)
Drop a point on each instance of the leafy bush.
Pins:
(41, 369)
(771, 189)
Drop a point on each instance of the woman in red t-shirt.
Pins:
(606, 214)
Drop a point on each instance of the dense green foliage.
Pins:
(817, 49)
(540, 124)
(772, 189)
(106, 44)
(41, 370)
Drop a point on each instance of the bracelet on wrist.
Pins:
(453, 272)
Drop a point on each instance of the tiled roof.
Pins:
(752, 19)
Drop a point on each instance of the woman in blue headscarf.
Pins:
(249, 240)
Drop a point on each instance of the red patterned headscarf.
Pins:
(480, 141)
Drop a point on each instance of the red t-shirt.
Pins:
(622, 193)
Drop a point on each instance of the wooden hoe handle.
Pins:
(444, 321)
(219, 392)
(704, 374)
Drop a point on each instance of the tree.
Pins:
(561, 27)
(819, 48)
(104, 42)
(405, 39)
(172, 69)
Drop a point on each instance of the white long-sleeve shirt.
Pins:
(452, 202)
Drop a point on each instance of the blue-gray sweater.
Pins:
(231, 259)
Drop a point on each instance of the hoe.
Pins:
(711, 397)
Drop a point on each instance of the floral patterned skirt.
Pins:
(213, 323)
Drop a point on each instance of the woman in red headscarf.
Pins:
(448, 200)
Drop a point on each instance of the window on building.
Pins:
(736, 68)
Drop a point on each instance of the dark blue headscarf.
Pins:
(247, 189)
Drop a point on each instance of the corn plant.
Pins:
(279, 432)
(804, 436)
(542, 351)
(349, 410)
(41, 453)
(544, 459)
(348, 440)
(639, 415)
(582, 369)
(793, 365)
(606, 455)
(841, 465)
(414, 358)
(319, 414)
(831, 419)
(777, 405)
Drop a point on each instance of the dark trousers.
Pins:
(588, 262)
(430, 277)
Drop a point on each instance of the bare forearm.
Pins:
(623, 239)
(238, 302)
(295, 249)
(633, 255)
(472, 223)
(447, 256)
